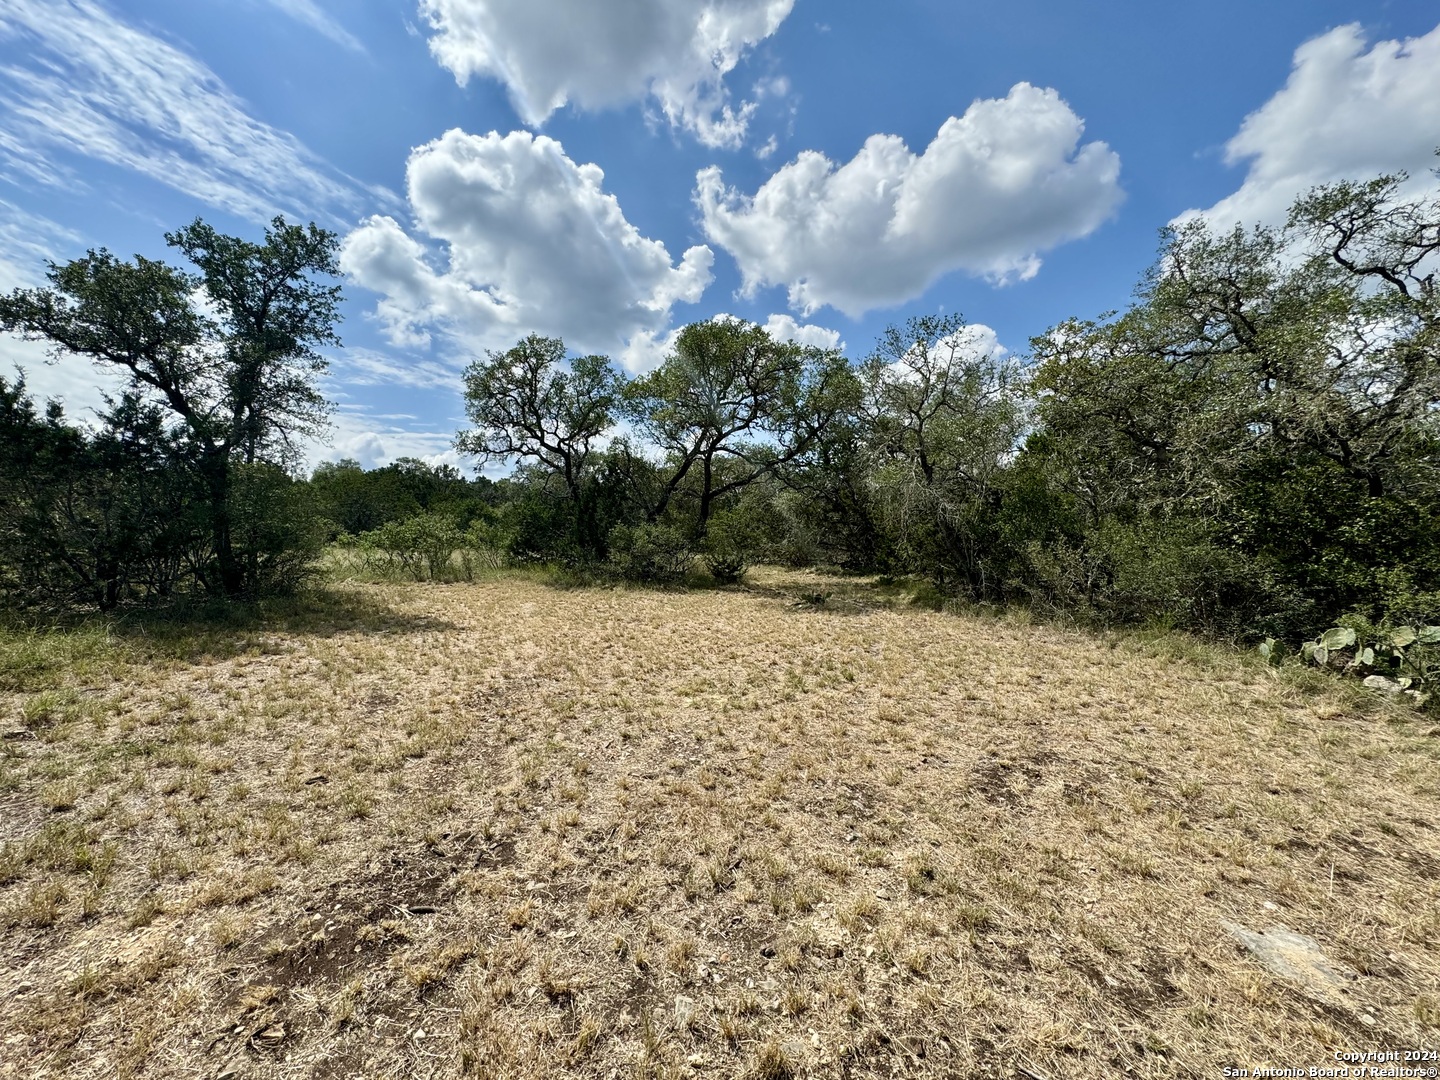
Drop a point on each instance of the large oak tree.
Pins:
(228, 352)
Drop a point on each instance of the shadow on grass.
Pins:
(840, 593)
(41, 652)
(829, 590)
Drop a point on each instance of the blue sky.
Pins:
(609, 172)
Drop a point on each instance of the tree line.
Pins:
(1248, 449)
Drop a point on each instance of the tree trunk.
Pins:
(706, 498)
(216, 469)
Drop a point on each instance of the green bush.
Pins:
(1173, 572)
(419, 547)
(276, 531)
(651, 553)
(539, 528)
(729, 545)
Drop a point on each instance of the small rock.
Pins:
(1296, 958)
(685, 1013)
(269, 1037)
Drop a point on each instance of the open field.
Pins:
(504, 830)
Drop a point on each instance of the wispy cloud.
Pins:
(98, 87)
(27, 242)
(313, 16)
(365, 367)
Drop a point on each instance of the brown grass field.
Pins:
(508, 830)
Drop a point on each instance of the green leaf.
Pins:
(1367, 657)
(1321, 655)
(1340, 637)
(1402, 636)
(1428, 635)
(1308, 650)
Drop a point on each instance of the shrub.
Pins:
(729, 544)
(658, 554)
(419, 547)
(276, 532)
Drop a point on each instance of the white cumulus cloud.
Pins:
(98, 87)
(552, 52)
(513, 237)
(376, 439)
(786, 328)
(645, 352)
(994, 189)
(974, 343)
(1346, 112)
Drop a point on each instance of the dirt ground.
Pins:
(507, 830)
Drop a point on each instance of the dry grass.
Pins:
(502, 830)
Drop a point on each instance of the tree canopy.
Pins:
(1249, 448)
(224, 361)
